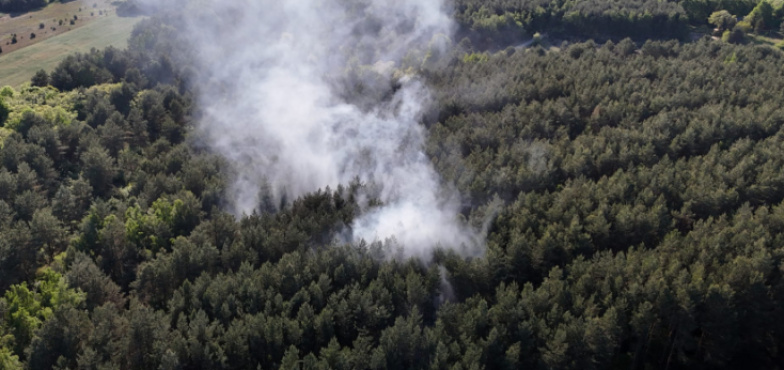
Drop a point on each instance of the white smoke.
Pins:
(303, 94)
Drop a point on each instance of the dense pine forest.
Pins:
(629, 192)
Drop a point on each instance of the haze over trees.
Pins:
(630, 190)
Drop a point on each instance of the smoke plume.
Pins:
(301, 95)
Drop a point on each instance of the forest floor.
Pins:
(97, 26)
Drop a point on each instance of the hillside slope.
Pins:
(19, 66)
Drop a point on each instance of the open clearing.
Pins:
(53, 20)
(19, 66)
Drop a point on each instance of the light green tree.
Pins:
(723, 20)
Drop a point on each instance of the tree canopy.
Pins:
(630, 191)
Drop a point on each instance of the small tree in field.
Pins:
(41, 78)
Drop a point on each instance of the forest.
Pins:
(495, 23)
(633, 187)
(19, 6)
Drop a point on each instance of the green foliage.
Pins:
(7, 92)
(501, 22)
(723, 20)
(735, 36)
(743, 26)
(4, 112)
(44, 103)
(632, 196)
(80, 70)
(98, 169)
(26, 309)
(150, 230)
(40, 79)
(8, 360)
(762, 18)
(475, 58)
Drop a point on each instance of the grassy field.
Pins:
(765, 40)
(19, 66)
(53, 20)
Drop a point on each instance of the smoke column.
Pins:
(304, 94)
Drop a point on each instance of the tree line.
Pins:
(496, 23)
(18, 6)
